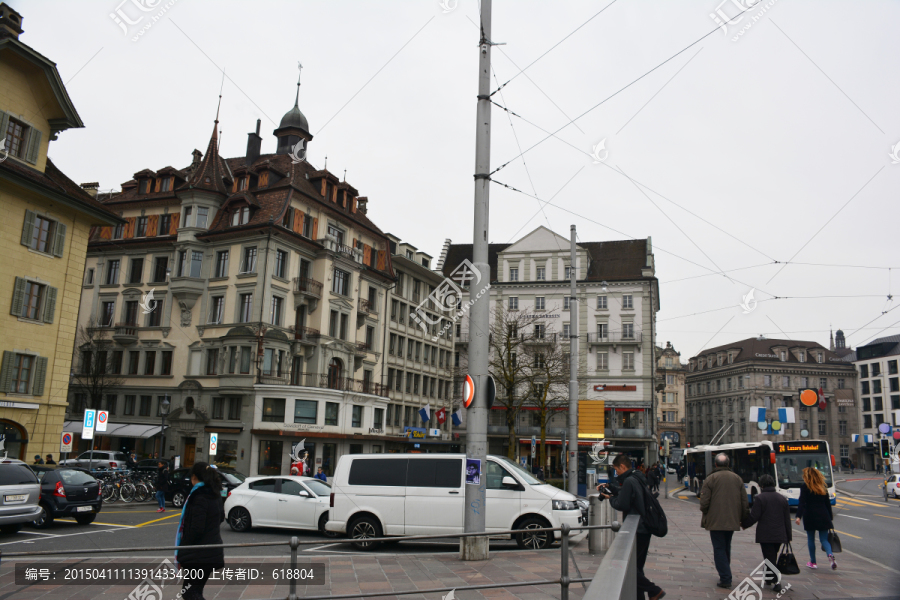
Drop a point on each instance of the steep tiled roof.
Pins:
(211, 174)
(56, 181)
(610, 261)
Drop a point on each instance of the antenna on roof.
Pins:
(299, 68)
(326, 162)
(221, 87)
(345, 175)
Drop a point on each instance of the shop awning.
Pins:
(129, 430)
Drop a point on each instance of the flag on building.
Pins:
(441, 415)
(425, 413)
(854, 437)
(455, 418)
(786, 415)
(757, 414)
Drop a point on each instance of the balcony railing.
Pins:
(275, 379)
(332, 244)
(125, 333)
(305, 285)
(305, 333)
(545, 338)
(347, 384)
(615, 337)
(364, 306)
(362, 348)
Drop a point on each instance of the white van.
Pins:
(380, 495)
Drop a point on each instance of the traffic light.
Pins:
(885, 448)
(667, 452)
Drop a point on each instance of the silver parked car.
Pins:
(97, 459)
(20, 494)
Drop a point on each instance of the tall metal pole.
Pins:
(476, 547)
(573, 373)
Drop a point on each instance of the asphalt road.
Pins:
(140, 526)
(866, 524)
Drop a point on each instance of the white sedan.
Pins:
(284, 501)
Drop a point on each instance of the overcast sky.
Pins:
(739, 153)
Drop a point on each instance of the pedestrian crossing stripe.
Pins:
(862, 502)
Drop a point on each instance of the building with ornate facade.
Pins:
(617, 301)
(43, 237)
(879, 396)
(266, 326)
(724, 382)
(670, 386)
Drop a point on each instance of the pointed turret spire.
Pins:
(294, 126)
(212, 171)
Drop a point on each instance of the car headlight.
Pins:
(564, 505)
(582, 504)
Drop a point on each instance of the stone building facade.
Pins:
(670, 385)
(43, 240)
(724, 382)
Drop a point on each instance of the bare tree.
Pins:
(546, 375)
(92, 367)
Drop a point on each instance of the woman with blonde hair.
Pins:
(815, 510)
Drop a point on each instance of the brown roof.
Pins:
(211, 174)
(610, 261)
(762, 350)
(54, 180)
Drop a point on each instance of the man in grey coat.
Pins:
(723, 502)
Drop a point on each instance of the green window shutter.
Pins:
(34, 146)
(59, 239)
(18, 301)
(6, 370)
(40, 374)
(50, 304)
(28, 228)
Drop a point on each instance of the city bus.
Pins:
(784, 461)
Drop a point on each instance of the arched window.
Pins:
(335, 368)
(15, 439)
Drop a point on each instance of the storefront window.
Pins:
(270, 454)
(14, 441)
(226, 454)
(329, 458)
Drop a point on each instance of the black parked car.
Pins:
(180, 484)
(67, 492)
(147, 466)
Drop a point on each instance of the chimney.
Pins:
(361, 203)
(91, 188)
(10, 22)
(254, 142)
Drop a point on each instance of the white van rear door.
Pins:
(504, 504)
(434, 496)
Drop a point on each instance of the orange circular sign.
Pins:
(809, 398)
(468, 391)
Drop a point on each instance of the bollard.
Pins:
(564, 555)
(595, 536)
(294, 543)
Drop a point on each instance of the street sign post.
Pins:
(102, 420)
(533, 446)
(65, 442)
(213, 442)
(87, 431)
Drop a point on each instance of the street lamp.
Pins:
(164, 410)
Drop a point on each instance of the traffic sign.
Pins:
(213, 442)
(102, 419)
(65, 442)
(533, 446)
(87, 431)
(469, 391)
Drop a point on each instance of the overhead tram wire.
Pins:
(660, 248)
(529, 65)
(635, 181)
(542, 206)
(727, 271)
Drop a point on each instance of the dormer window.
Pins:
(820, 357)
(144, 187)
(166, 184)
(801, 356)
(329, 191)
(409, 254)
(730, 358)
(22, 140)
(242, 183)
(264, 179)
(240, 216)
(783, 356)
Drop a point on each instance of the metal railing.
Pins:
(294, 543)
(614, 337)
(305, 333)
(308, 286)
(616, 578)
(364, 306)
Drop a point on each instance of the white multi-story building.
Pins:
(617, 301)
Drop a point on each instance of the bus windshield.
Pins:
(790, 468)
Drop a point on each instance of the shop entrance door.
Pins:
(190, 447)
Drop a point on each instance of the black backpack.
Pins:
(652, 515)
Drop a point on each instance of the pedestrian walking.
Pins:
(852, 468)
(723, 502)
(162, 484)
(630, 498)
(201, 518)
(815, 511)
(772, 516)
(49, 460)
(653, 476)
(320, 474)
(38, 460)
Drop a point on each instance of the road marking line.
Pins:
(850, 534)
(36, 533)
(863, 502)
(887, 517)
(852, 517)
(158, 520)
(62, 536)
(97, 523)
(317, 547)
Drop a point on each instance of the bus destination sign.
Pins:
(800, 447)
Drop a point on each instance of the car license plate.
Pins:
(84, 509)
(16, 498)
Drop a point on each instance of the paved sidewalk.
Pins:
(682, 564)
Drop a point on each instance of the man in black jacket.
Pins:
(630, 498)
(772, 515)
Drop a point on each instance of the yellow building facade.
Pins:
(43, 241)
